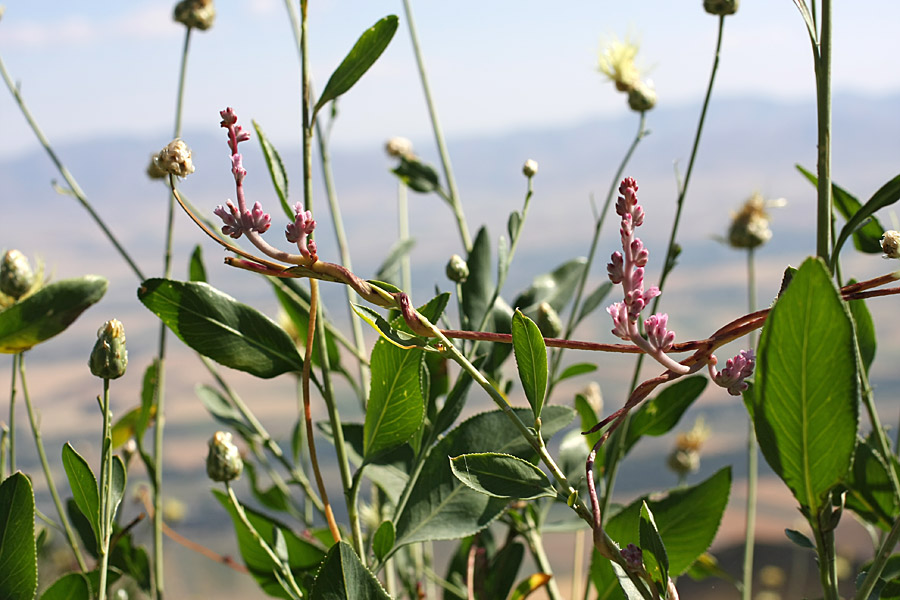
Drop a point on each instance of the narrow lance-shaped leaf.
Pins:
(363, 55)
(18, 561)
(531, 360)
(276, 170)
(196, 268)
(888, 194)
(84, 486)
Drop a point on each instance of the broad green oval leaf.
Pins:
(687, 520)
(576, 370)
(417, 175)
(303, 555)
(513, 224)
(343, 577)
(888, 194)
(82, 527)
(84, 487)
(799, 539)
(396, 406)
(478, 288)
(276, 170)
(654, 551)
(71, 586)
(221, 328)
(196, 268)
(502, 570)
(807, 387)
(870, 493)
(531, 360)
(383, 539)
(660, 414)
(363, 55)
(47, 312)
(18, 560)
(555, 288)
(272, 497)
(440, 507)
(501, 476)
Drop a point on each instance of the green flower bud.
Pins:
(457, 269)
(16, 276)
(223, 463)
(684, 462)
(642, 97)
(109, 358)
(721, 8)
(530, 168)
(750, 226)
(198, 14)
(548, 321)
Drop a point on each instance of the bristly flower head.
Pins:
(890, 244)
(399, 147)
(736, 370)
(197, 14)
(750, 225)
(616, 61)
(634, 557)
(109, 358)
(297, 231)
(223, 463)
(175, 159)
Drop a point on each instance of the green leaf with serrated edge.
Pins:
(866, 238)
(417, 175)
(865, 331)
(555, 288)
(396, 406)
(383, 539)
(83, 485)
(593, 300)
(478, 288)
(71, 586)
(870, 493)
(222, 411)
(399, 338)
(47, 312)
(685, 538)
(196, 268)
(119, 481)
(807, 387)
(531, 360)
(303, 555)
(799, 539)
(888, 194)
(294, 300)
(654, 552)
(221, 328)
(363, 55)
(576, 370)
(344, 577)
(276, 171)
(440, 506)
(397, 252)
(501, 476)
(660, 414)
(18, 560)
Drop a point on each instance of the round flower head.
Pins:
(16, 276)
(890, 244)
(399, 147)
(175, 159)
(642, 97)
(109, 358)
(223, 463)
(721, 8)
(617, 63)
(750, 225)
(530, 168)
(457, 269)
(198, 14)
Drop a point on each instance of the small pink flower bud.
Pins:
(297, 231)
(736, 370)
(657, 334)
(256, 219)
(634, 557)
(615, 268)
(619, 313)
(232, 219)
(228, 117)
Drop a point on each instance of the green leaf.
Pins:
(383, 539)
(47, 312)
(555, 288)
(196, 269)
(807, 387)
(576, 370)
(272, 497)
(71, 586)
(223, 412)
(888, 194)
(82, 527)
(130, 559)
(502, 570)
(870, 493)
(687, 520)
(866, 238)
(660, 414)
(531, 360)
(303, 555)
(396, 406)
(513, 224)
(84, 487)
(221, 328)
(119, 481)
(148, 399)
(343, 577)
(865, 331)
(363, 55)
(588, 418)
(502, 476)
(478, 288)
(440, 507)
(604, 578)
(655, 559)
(276, 171)
(401, 339)
(530, 584)
(593, 300)
(18, 560)
(417, 175)
(392, 263)
(799, 539)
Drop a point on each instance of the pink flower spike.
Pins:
(228, 117)
(657, 334)
(619, 314)
(650, 294)
(231, 217)
(237, 168)
(736, 370)
(616, 268)
(297, 231)
(241, 135)
(256, 219)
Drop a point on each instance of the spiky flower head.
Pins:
(16, 276)
(721, 8)
(175, 159)
(890, 244)
(530, 168)
(198, 14)
(616, 61)
(750, 225)
(109, 358)
(399, 147)
(223, 463)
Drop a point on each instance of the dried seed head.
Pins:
(198, 14)
(175, 159)
(750, 225)
(223, 463)
(890, 244)
(109, 358)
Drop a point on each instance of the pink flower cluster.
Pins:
(736, 370)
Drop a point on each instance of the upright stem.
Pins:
(42, 455)
(12, 417)
(752, 453)
(878, 563)
(403, 227)
(438, 133)
(824, 213)
(536, 545)
(105, 491)
(827, 563)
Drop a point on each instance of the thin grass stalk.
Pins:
(12, 417)
(752, 454)
(105, 491)
(824, 211)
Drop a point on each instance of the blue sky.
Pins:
(97, 68)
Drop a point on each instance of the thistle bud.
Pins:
(530, 168)
(548, 321)
(685, 457)
(890, 244)
(750, 226)
(721, 8)
(642, 97)
(175, 159)
(16, 276)
(198, 14)
(223, 463)
(457, 269)
(109, 358)
(398, 147)
(154, 171)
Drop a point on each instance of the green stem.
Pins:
(438, 133)
(64, 172)
(822, 61)
(105, 491)
(403, 230)
(879, 562)
(42, 455)
(536, 545)
(618, 445)
(827, 563)
(12, 418)
(282, 567)
(752, 454)
(884, 445)
(598, 227)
